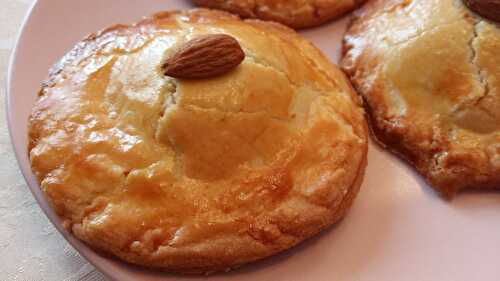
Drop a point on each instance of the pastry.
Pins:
(429, 72)
(259, 145)
(294, 13)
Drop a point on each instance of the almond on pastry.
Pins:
(204, 57)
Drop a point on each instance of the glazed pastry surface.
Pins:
(294, 13)
(429, 71)
(197, 175)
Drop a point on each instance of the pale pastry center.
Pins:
(221, 123)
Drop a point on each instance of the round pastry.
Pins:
(294, 13)
(197, 175)
(429, 71)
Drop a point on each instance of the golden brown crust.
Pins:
(203, 175)
(294, 13)
(430, 77)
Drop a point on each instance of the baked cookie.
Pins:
(294, 13)
(197, 175)
(429, 71)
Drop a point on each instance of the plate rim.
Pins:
(84, 250)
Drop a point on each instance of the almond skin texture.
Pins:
(489, 9)
(204, 57)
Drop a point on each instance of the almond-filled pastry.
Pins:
(294, 13)
(196, 142)
(429, 71)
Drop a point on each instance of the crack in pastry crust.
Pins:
(294, 13)
(197, 176)
(430, 80)
(474, 60)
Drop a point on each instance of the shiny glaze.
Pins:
(143, 164)
(430, 73)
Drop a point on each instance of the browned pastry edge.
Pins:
(393, 141)
(336, 217)
(316, 17)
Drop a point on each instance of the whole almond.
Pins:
(489, 9)
(204, 57)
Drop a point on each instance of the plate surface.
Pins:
(398, 228)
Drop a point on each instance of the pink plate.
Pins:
(398, 228)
